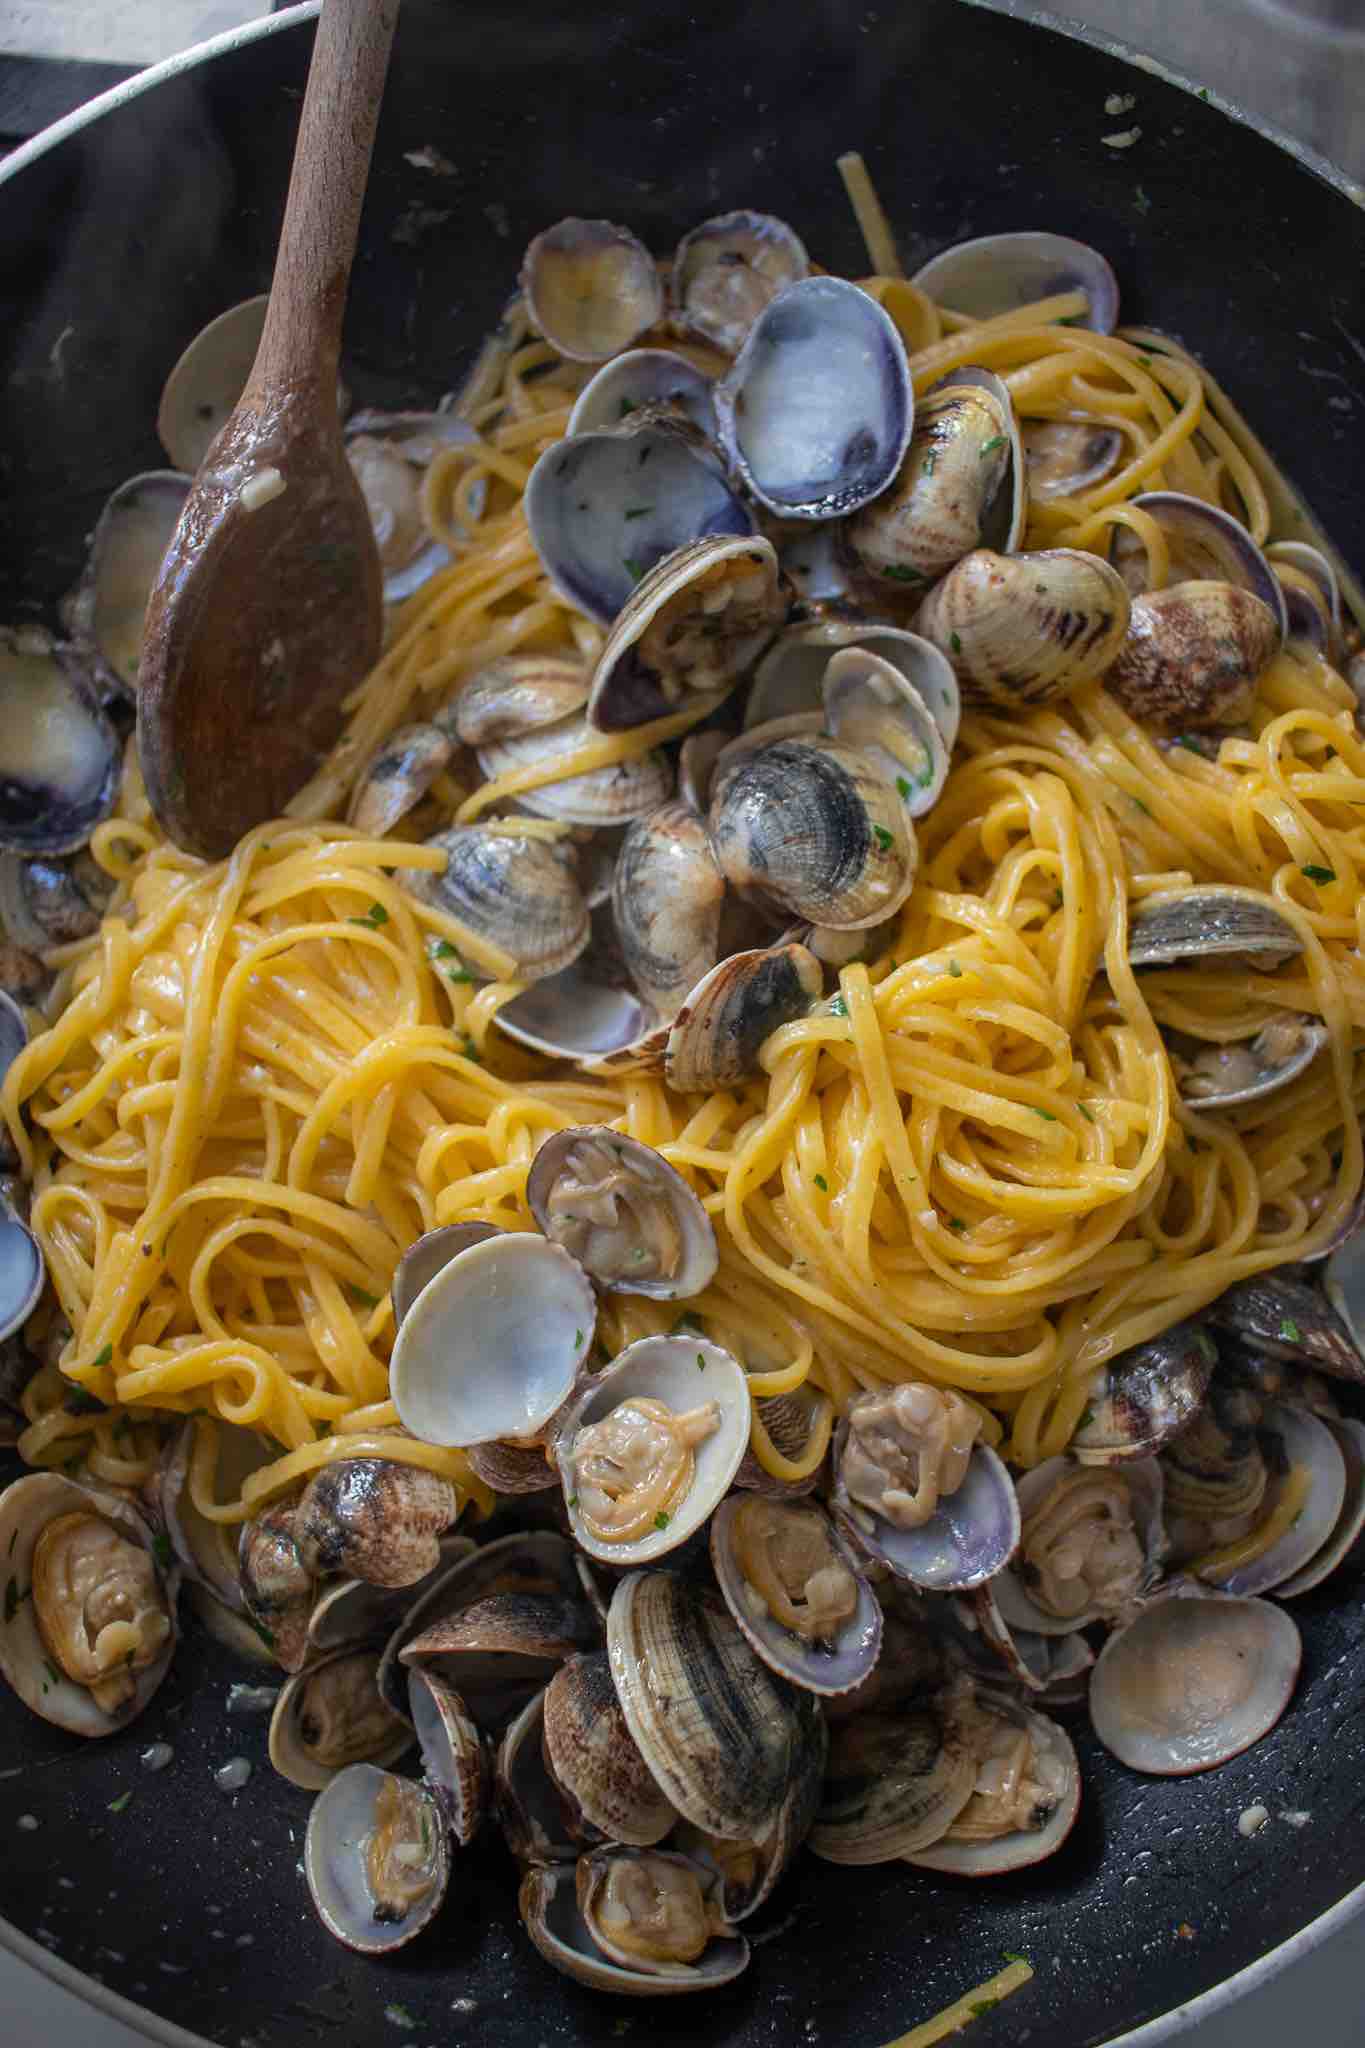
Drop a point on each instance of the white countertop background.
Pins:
(1301, 63)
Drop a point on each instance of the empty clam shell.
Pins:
(517, 693)
(331, 1715)
(654, 377)
(651, 1446)
(389, 452)
(1192, 657)
(1207, 545)
(207, 381)
(790, 676)
(1312, 594)
(815, 414)
(501, 1650)
(589, 1012)
(454, 1760)
(22, 1272)
(59, 756)
(1145, 1396)
(667, 894)
(870, 705)
(1307, 1447)
(717, 1036)
(604, 507)
(591, 288)
(492, 1345)
(106, 611)
(1192, 1682)
(1210, 922)
(1350, 1437)
(601, 796)
(425, 1257)
(512, 890)
(1025, 629)
(996, 273)
(530, 1806)
(691, 628)
(812, 1578)
(1066, 455)
(726, 272)
(376, 1857)
(555, 1921)
(627, 1216)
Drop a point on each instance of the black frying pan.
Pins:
(120, 239)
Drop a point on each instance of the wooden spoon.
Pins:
(267, 610)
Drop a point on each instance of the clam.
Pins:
(591, 288)
(207, 382)
(750, 1868)
(693, 625)
(916, 1492)
(815, 412)
(374, 1519)
(331, 1715)
(791, 1583)
(1211, 922)
(961, 486)
(640, 1923)
(276, 1585)
(454, 1760)
(513, 891)
(424, 1258)
(812, 562)
(627, 1216)
(604, 507)
(89, 1626)
(654, 378)
(729, 269)
(650, 1447)
(1312, 595)
(516, 694)
(1091, 1545)
(354, 1611)
(1221, 1076)
(1302, 1448)
(59, 756)
(1145, 1396)
(1350, 1440)
(1066, 455)
(46, 902)
(388, 454)
(1215, 1473)
(697, 756)
(723, 1736)
(717, 1036)
(1281, 1315)
(791, 674)
(870, 705)
(501, 1649)
(813, 827)
(1192, 656)
(106, 610)
(1193, 1681)
(1025, 1799)
(607, 1789)
(530, 1807)
(1042, 1664)
(1206, 545)
(895, 1783)
(207, 1551)
(1025, 629)
(397, 776)
(667, 894)
(492, 1345)
(589, 1012)
(376, 1857)
(994, 274)
(510, 1467)
(601, 796)
(22, 1272)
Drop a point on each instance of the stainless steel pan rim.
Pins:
(1171, 2025)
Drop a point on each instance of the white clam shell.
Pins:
(424, 1258)
(207, 381)
(107, 608)
(1027, 1845)
(60, 761)
(602, 796)
(339, 1826)
(870, 705)
(789, 677)
(996, 273)
(550, 1914)
(492, 1345)
(640, 377)
(728, 269)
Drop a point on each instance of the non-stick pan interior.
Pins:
(191, 1900)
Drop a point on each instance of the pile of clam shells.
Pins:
(660, 1671)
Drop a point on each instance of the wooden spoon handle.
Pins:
(302, 336)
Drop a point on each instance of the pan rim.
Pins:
(1165, 2026)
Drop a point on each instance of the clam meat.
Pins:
(625, 1214)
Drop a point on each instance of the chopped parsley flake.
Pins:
(264, 1633)
(470, 1050)
(14, 1538)
(900, 572)
(661, 1520)
(1146, 362)
(1142, 807)
(53, 1673)
(701, 1361)
(161, 1549)
(1058, 899)
(989, 447)
(1046, 1115)
(1072, 320)
(627, 405)
(903, 787)
(573, 1500)
(1290, 1333)
(577, 1339)
(1188, 740)
(638, 1255)
(956, 1223)
(838, 1008)
(105, 1357)
(955, 642)
(439, 950)
(1141, 201)
(928, 465)
(81, 1402)
(822, 1183)
(884, 838)
(954, 970)
(362, 1299)
(1317, 874)
(1203, 94)
(1087, 1114)
(632, 568)
(637, 511)
(117, 1805)
(373, 918)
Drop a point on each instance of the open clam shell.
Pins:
(501, 1649)
(827, 1665)
(492, 1345)
(589, 1012)
(352, 1612)
(816, 411)
(207, 1551)
(726, 272)
(60, 759)
(1207, 922)
(627, 1216)
(608, 1790)
(1308, 1446)
(690, 1380)
(425, 1257)
(970, 1538)
(1057, 1769)
(23, 1275)
(870, 705)
(1215, 1075)
(717, 1036)
(48, 902)
(655, 377)
(553, 1918)
(591, 288)
(41, 1602)
(993, 274)
(1207, 545)
(1067, 455)
(106, 610)
(1140, 1480)
(1283, 1316)
(600, 796)
(377, 1858)
(454, 1760)
(790, 677)
(604, 507)
(1042, 1664)
(1146, 1395)
(331, 1715)
(1350, 1438)
(895, 1783)
(1312, 594)
(531, 1561)
(389, 453)
(529, 1806)
(1193, 1681)
(207, 382)
(396, 777)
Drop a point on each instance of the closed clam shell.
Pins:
(590, 287)
(718, 1034)
(611, 1792)
(1025, 629)
(1192, 656)
(374, 1519)
(811, 825)
(1193, 1681)
(397, 776)
(723, 1735)
(512, 890)
(666, 896)
(894, 1784)
(1211, 922)
(516, 693)
(620, 1209)
(276, 1583)
(1144, 1396)
(690, 629)
(601, 796)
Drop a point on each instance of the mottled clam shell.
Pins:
(1028, 1845)
(721, 1029)
(293, 1732)
(105, 612)
(790, 676)
(352, 1612)
(276, 1584)
(1026, 629)
(550, 1913)
(515, 694)
(339, 1828)
(1350, 1438)
(816, 411)
(666, 897)
(655, 1179)
(643, 377)
(512, 1468)
(48, 902)
(454, 1760)
(722, 1734)
(397, 776)
(60, 759)
(1193, 1681)
(1192, 656)
(424, 1258)
(789, 1420)
(993, 274)
(1308, 1445)
(501, 1649)
(1067, 455)
(1335, 1340)
(1207, 922)
(591, 288)
(532, 1561)
(894, 1785)
(969, 1540)
(726, 272)
(820, 1667)
(512, 890)
(603, 796)
(609, 1789)
(1207, 545)
(374, 1519)
(870, 705)
(1146, 1395)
